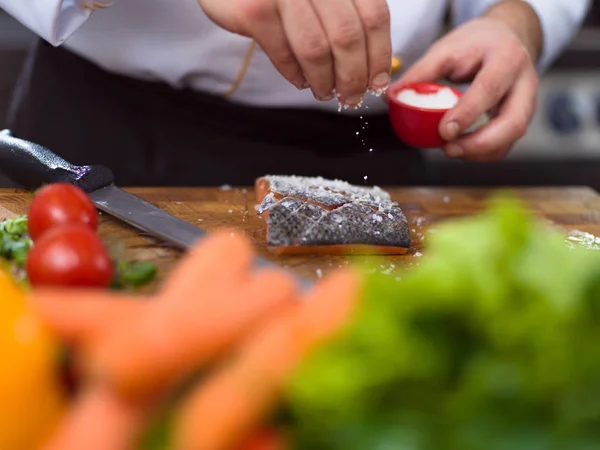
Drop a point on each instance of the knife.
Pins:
(32, 165)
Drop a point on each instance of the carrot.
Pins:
(100, 421)
(265, 439)
(221, 258)
(79, 316)
(221, 413)
(165, 345)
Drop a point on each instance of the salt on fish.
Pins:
(320, 216)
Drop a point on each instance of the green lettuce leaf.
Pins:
(490, 343)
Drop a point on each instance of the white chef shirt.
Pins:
(173, 41)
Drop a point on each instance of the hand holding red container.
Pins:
(416, 110)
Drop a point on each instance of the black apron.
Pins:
(152, 135)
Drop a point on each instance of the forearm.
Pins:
(522, 19)
(558, 21)
(53, 20)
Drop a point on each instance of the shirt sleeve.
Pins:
(560, 20)
(53, 20)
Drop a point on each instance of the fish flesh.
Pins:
(320, 216)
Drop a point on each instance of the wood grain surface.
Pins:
(574, 208)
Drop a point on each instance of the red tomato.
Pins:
(70, 255)
(60, 204)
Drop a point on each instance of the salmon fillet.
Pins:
(314, 215)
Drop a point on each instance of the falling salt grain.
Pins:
(319, 273)
(200, 220)
(230, 211)
(418, 254)
(366, 177)
(226, 187)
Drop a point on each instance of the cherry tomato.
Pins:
(60, 204)
(70, 255)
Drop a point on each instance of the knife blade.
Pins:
(32, 165)
(145, 216)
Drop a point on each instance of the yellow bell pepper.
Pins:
(32, 399)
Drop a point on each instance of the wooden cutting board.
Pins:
(574, 208)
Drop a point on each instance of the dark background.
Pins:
(562, 146)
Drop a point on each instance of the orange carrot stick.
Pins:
(220, 414)
(78, 316)
(163, 346)
(100, 421)
(221, 258)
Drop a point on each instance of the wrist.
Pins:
(522, 19)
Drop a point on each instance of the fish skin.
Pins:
(305, 211)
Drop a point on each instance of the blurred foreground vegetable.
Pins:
(135, 353)
(491, 343)
(32, 398)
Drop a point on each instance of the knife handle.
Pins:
(31, 165)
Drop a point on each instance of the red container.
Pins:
(416, 126)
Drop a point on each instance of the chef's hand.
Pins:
(325, 45)
(498, 52)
